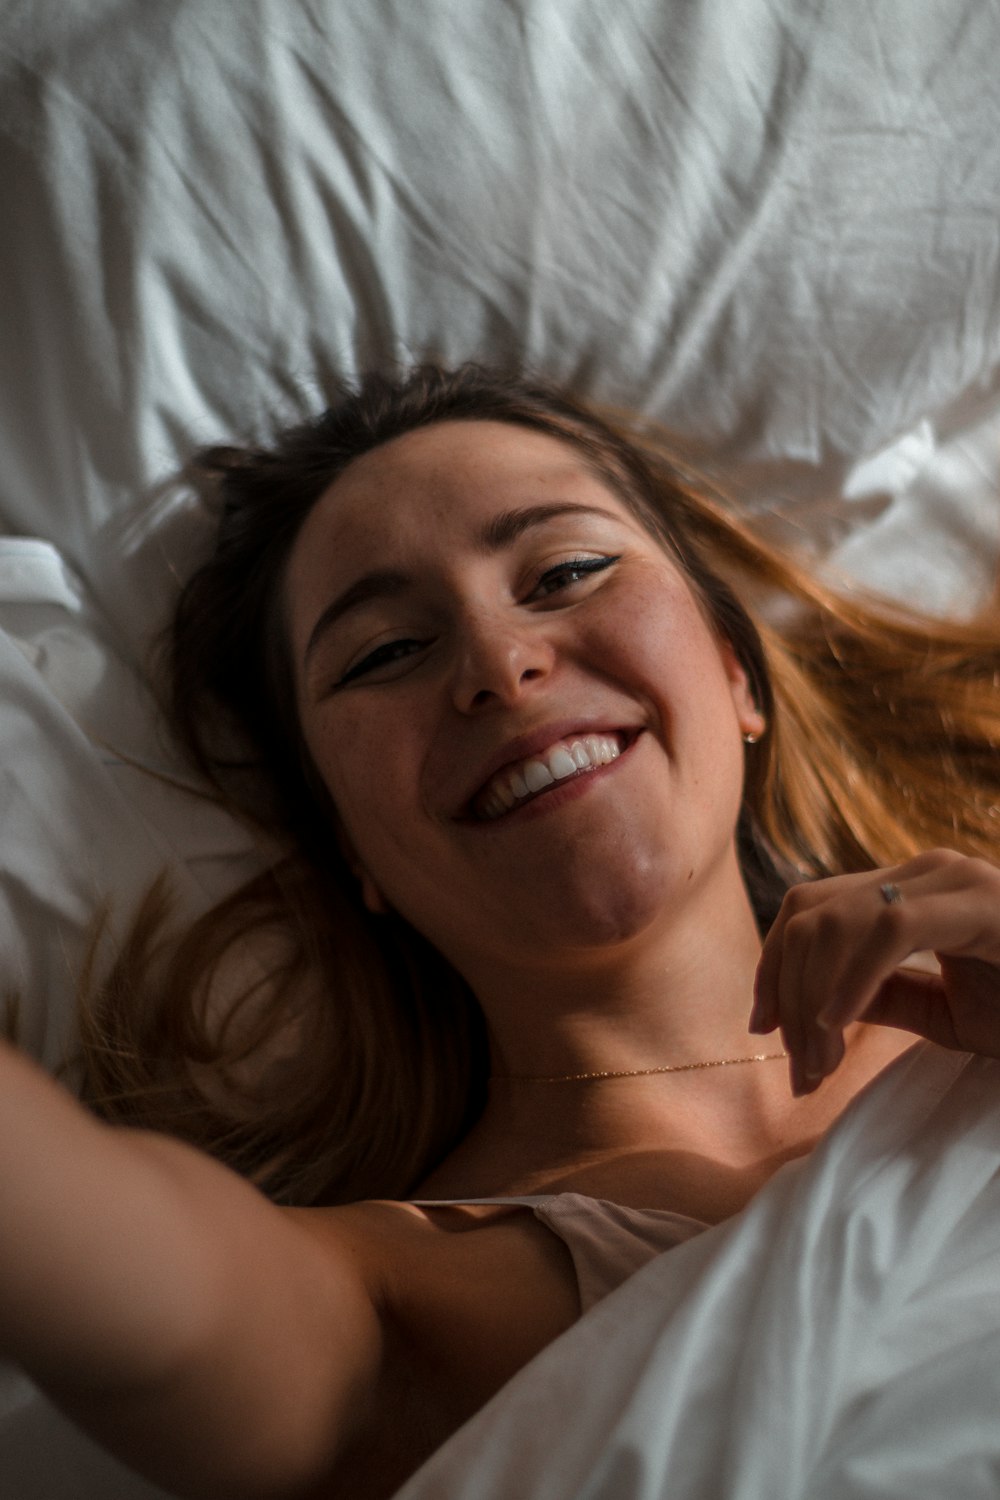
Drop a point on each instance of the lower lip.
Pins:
(558, 794)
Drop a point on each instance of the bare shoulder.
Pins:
(465, 1296)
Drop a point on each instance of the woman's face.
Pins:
(472, 612)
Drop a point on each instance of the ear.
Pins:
(372, 897)
(370, 893)
(749, 716)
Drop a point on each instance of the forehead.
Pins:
(451, 473)
(427, 495)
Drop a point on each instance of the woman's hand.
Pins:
(834, 953)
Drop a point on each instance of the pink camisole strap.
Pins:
(607, 1241)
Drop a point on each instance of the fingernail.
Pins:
(834, 1016)
(758, 1022)
(800, 1085)
(814, 1056)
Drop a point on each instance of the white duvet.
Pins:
(837, 1340)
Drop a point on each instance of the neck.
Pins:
(699, 1143)
(678, 993)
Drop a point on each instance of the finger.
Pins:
(806, 1064)
(785, 986)
(839, 965)
(799, 963)
(823, 1053)
(765, 1014)
(913, 1000)
(869, 957)
(958, 1008)
(937, 911)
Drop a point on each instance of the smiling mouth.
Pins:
(567, 761)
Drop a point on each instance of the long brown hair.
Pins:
(353, 1057)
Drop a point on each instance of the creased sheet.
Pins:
(770, 224)
(839, 1339)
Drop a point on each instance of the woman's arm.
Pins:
(203, 1335)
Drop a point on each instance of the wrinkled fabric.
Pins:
(838, 1339)
(770, 224)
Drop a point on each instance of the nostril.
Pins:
(504, 658)
(517, 680)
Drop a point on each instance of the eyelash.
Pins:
(584, 565)
(382, 656)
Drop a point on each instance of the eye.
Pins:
(553, 581)
(565, 574)
(391, 651)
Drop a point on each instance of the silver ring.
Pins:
(891, 894)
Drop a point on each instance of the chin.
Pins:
(618, 918)
(602, 912)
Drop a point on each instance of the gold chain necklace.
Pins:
(721, 1062)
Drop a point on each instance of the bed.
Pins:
(770, 225)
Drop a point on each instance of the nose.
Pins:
(498, 661)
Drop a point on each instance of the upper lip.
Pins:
(524, 746)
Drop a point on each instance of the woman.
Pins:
(537, 773)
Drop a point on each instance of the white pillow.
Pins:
(774, 228)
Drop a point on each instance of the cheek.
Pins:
(656, 632)
(363, 765)
(669, 649)
(347, 769)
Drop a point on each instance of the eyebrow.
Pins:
(501, 531)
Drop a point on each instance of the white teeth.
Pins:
(511, 787)
(561, 763)
(601, 750)
(537, 775)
